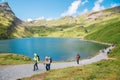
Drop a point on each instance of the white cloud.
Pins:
(113, 5)
(86, 1)
(97, 5)
(29, 19)
(72, 8)
(40, 18)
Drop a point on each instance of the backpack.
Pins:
(50, 60)
(38, 57)
(78, 57)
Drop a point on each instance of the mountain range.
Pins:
(92, 25)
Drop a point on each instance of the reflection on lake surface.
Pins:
(60, 49)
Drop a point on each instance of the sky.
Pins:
(28, 10)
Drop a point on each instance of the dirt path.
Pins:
(18, 71)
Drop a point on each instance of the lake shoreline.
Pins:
(109, 44)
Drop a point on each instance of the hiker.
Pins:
(103, 51)
(50, 60)
(35, 62)
(113, 45)
(47, 63)
(108, 51)
(78, 58)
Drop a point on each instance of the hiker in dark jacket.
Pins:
(78, 58)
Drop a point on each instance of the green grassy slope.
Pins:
(6, 59)
(21, 32)
(106, 28)
(109, 30)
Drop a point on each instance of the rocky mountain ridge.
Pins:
(8, 21)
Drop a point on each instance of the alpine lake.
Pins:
(59, 49)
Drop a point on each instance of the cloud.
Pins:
(86, 1)
(113, 5)
(29, 19)
(40, 18)
(72, 8)
(97, 5)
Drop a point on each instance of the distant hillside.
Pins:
(104, 24)
(79, 27)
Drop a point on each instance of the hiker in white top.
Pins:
(47, 63)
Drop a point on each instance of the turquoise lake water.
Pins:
(60, 49)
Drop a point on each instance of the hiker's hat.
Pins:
(35, 54)
(46, 57)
